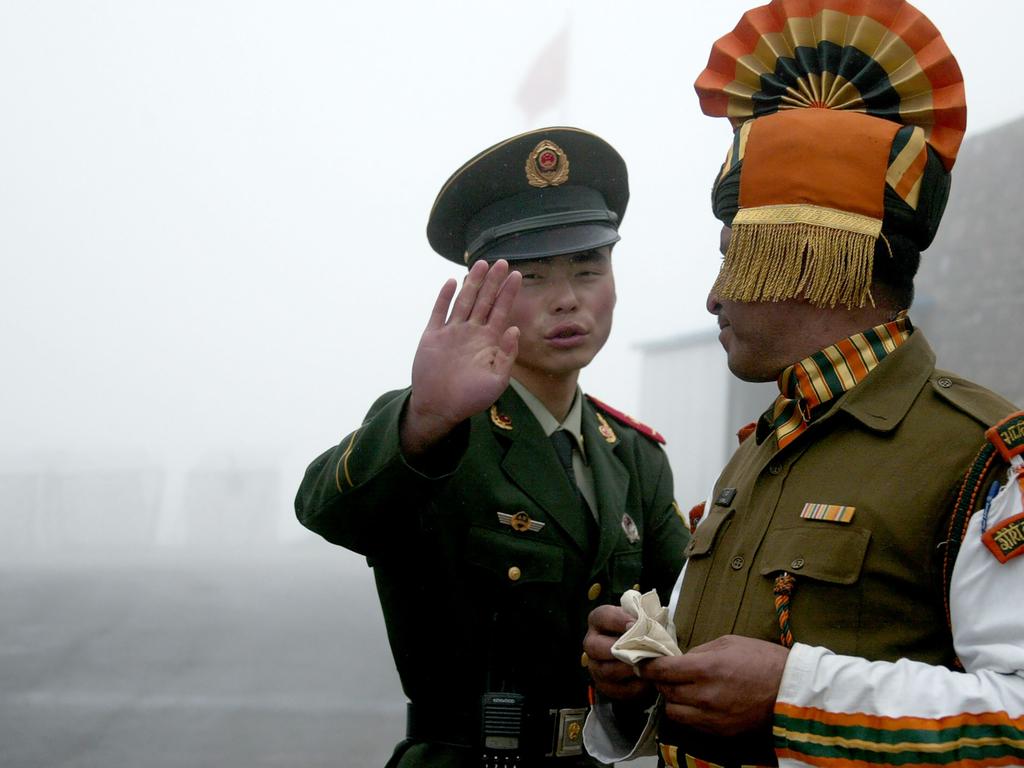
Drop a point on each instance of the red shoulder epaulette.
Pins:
(695, 515)
(746, 431)
(629, 421)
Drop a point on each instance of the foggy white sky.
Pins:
(212, 213)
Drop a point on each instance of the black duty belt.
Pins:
(546, 732)
(673, 757)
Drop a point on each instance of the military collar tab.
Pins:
(501, 420)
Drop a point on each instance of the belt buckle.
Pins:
(568, 732)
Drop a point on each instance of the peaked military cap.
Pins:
(544, 193)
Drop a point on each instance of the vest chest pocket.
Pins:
(827, 553)
(826, 604)
(709, 529)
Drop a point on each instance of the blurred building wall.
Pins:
(49, 511)
(971, 281)
(691, 397)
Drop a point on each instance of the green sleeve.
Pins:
(363, 494)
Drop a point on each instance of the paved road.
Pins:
(257, 663)
(168, 665)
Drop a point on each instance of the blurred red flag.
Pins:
(547, 78)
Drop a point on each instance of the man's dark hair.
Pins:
(897, 258)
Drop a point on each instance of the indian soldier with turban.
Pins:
(852, 587)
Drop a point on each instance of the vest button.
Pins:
(594, 592)
(584, 660)
(737, 563)
(636, 587)
(944, 382)
(797, 564)
(514, 573)
(775, 467)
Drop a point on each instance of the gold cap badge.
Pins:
(547, 165)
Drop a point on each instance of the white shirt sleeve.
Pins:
(601, 734)
(603, 738)
(843, 708)
(607, 743)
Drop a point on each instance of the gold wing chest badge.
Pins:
(520, 522)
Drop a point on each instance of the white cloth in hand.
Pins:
(650, 637)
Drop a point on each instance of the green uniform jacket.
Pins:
(470, 603)
(894, 448)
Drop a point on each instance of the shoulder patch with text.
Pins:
(1008, 435)
(1006, 540)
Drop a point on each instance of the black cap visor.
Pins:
(544, 243)
(541, 223)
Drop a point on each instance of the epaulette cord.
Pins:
(966, 498)
(1004, 440)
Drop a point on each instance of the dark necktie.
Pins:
(563, 443)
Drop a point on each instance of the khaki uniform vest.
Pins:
(894, 448)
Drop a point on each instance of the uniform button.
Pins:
(775, 468)
(514, 573)
(636, 587)
(737, 563)
(594, 592)
(584, 660)
(797, 564)
(944, 382)
(690, 547)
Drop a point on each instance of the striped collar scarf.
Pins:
(827, 374)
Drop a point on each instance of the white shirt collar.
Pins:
(573, 422)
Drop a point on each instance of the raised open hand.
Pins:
(464, 359)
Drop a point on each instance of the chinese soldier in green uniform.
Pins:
(496, 503)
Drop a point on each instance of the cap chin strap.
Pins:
(546, 221)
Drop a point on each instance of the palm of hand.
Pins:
(464, 360)
(458, 370)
